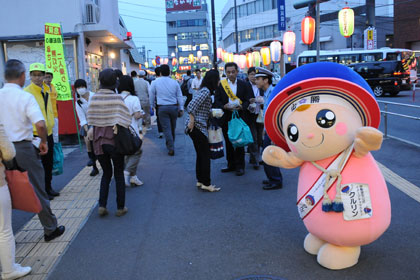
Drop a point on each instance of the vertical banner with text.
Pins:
(55, 60)
(281, 10)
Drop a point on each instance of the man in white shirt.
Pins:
(196, 82)
(171, 105)
(141, 87)
(18, 111)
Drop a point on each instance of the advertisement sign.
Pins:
(281, 13)
(182, 5)
(55, 60)
(371, 41)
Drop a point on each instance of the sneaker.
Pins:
(160, 134)
(198, 185)
(121, 212)
(102, 211)
(19, 271)
(127, 178)
(210, 188)
(135, 181)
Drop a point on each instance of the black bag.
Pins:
(127, 142)
(184, 87)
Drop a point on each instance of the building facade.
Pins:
(407, 25)
(188, 33)
(258, 22)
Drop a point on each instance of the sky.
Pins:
(146, 20)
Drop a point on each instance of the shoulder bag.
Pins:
(127, 142)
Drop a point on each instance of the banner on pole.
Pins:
(55, 60)
(281, 11)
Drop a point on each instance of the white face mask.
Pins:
(82, 91)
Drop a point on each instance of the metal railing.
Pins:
(385, 114)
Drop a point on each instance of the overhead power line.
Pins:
(155, 20)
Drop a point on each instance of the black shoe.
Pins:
(239, 172)
(266, 182)
(94, 172)
(53, 192)
(227, 169)
(261, 162)
(273, 186)
(50, 197)
(56, 233)
(256, 166)
(171, 153)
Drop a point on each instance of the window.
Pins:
(243, 11)
(260, 33)
(268, 31)
(267, 5)
(251, 8)
(172, 24)
(259, 6)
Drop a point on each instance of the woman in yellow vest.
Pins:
(53, 94)
(41, 92)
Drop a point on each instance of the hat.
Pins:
(262, 72)
(49, 71)
(142, 73)
(321, 82)
(37, 67)
(108, 79)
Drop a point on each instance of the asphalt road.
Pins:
(174, 231)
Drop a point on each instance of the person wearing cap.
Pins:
(49, 75)
(264, 81)
(42, 94)
(166, 93)
(256, 122)
(142, 91)
(107, 109)
(233, 95)
(21, 111)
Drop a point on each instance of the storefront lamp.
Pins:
(289, 41)
(265, 55)
(308, 30)
(242, 61)
(191, 58)
(346, 21)
(249, 61)
(199, 54)
(112, 55)
(172, 54)
(256, 59)
(275, 50)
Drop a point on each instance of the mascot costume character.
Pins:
(323, 117)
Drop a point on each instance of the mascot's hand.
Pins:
(367, 139)
(276, 156)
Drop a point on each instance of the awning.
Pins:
(135, 56)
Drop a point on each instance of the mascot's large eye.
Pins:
(325, 118)
(292, 132)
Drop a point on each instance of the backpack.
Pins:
(185, 87)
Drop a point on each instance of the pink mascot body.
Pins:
(323, 117)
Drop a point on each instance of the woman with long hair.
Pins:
(128, 94)
(106, 110)
(199, 110)
(82, 103)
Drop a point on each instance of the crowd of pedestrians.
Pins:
(28, 135)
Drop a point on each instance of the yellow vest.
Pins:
(49, 113)
(53, 95)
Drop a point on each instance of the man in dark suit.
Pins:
(236, 99)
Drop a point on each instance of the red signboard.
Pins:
(182, 5)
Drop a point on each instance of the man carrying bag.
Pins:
(233, 95)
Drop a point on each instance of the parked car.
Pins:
(383, 76)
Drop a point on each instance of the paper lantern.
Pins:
(230, 57)
(154, 62)
(174, 61)
(346, 21)
(308, 30)
(242, 61)
(275, 50)
(236, 58)
(219, 53)
(225, 57)
(165, 60)
(191, 58)
(146, 64)
(265, 55)
(256, 59)
(199, 54)
(289, 41)
(249, 61)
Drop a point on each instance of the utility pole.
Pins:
(213, 26)
(317, 26)
(236, 28)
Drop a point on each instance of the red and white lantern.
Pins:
(308, 30)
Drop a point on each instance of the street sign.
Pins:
(370, 42)
(281, 13)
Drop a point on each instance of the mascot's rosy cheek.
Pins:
(342, 196)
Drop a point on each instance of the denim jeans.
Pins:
(168, 115)
(108, 160)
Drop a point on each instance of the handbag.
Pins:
(58, 159)
(127, 142)
(215, 139)
(238, 132)
(21, 190)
